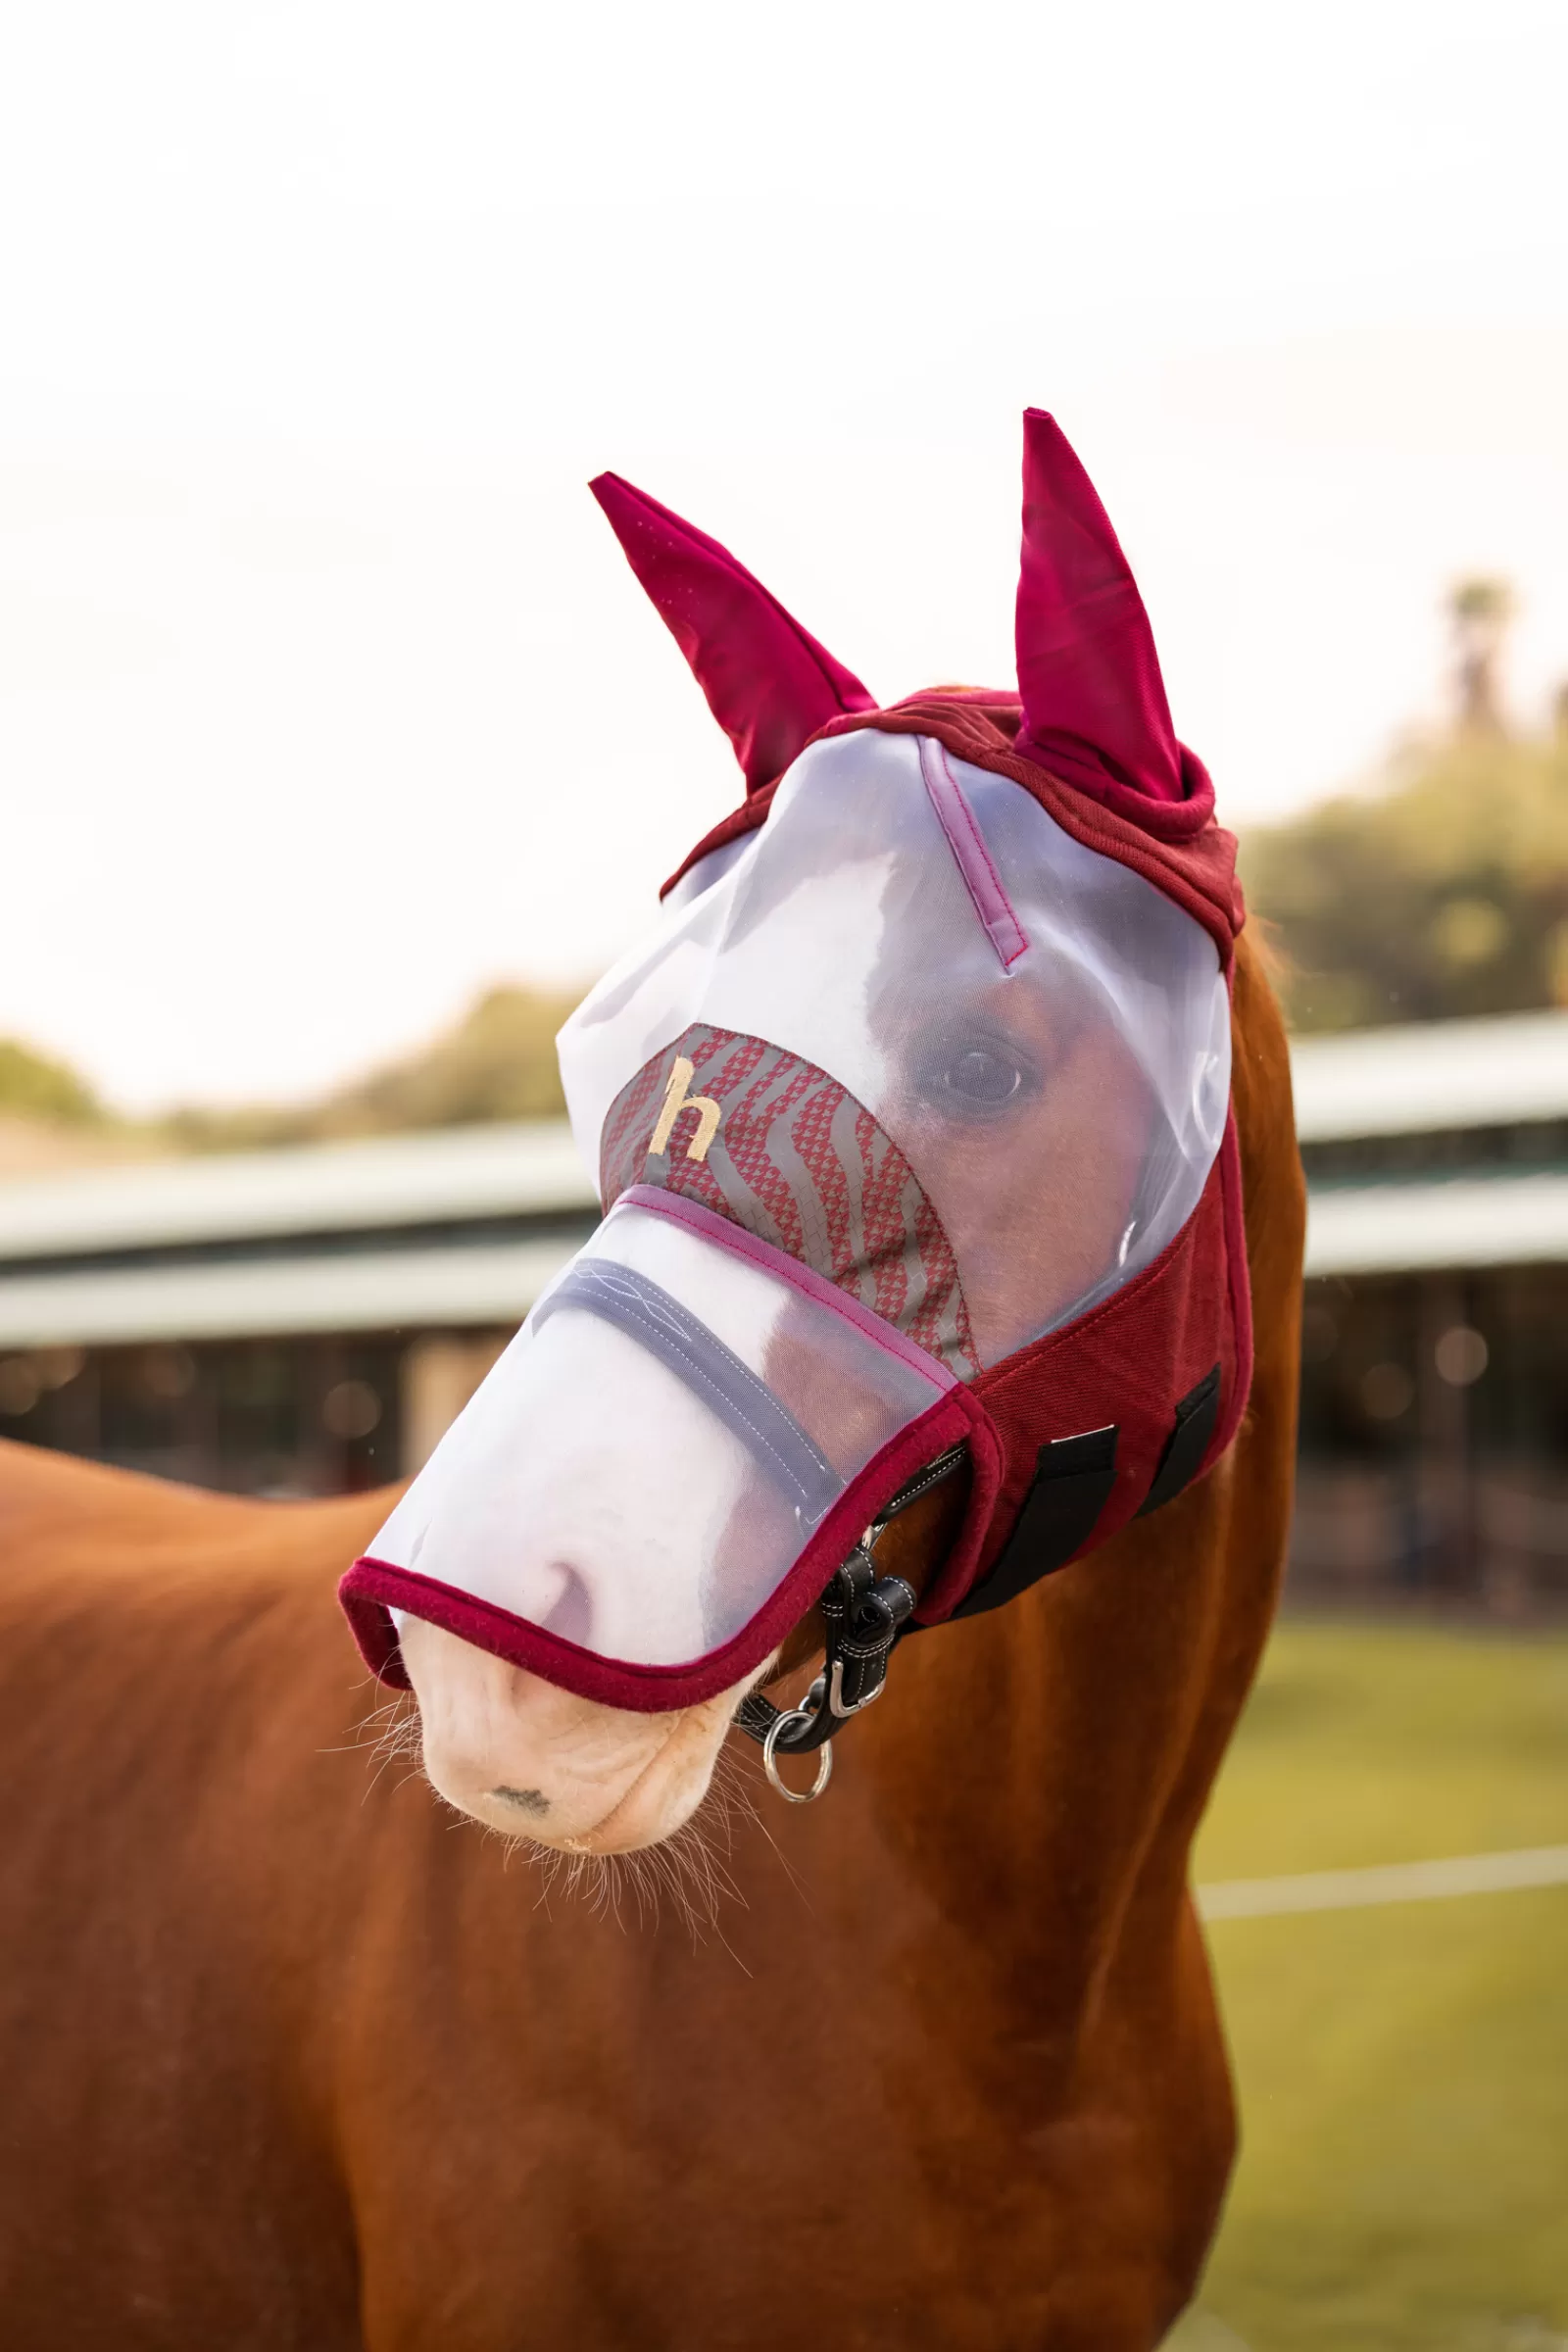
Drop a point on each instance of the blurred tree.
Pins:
(1444, 891)
(498, 1063)
(32, 1086)
(1442, 894)
(1480, 611)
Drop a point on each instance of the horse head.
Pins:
(912, 1125)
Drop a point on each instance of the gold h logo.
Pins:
(678, 1099)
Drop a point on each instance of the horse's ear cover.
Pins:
(1094, 701)
(912, 1124)
(769, 682)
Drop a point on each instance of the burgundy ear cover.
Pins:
(1093, 725)
(1094, 701)
(768, 683)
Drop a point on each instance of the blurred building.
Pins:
(304, 1321)
(292, 1322)
(1434, 1456)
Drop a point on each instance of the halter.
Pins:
(863, 1616)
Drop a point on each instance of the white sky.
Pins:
(324, 693)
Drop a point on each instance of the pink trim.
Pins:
(971, 853)
(372, 1588)
(741, 1243)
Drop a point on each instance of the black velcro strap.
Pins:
(1187, 1445)
(1073, 1477)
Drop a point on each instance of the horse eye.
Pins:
(980, 1076)
(977, 1079)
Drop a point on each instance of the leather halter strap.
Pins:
(863, 1615)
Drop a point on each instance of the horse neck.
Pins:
(1041, 1770)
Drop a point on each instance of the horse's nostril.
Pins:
(528, 1800)
(571, 1612)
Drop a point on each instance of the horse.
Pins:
(298, 2057)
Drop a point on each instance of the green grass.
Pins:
(1403, 2070)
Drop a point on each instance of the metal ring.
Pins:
(824, 1760)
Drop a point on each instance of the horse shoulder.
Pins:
(183, 1851)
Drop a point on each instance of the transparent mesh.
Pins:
(904, 1080)
(648, 1458)
(1039, 1035)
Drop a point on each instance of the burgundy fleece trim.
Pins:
(739, 822)
(372, 1588)
(1240, 1275)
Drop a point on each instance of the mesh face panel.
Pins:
(969, 1069)
(901, 1083)
(648, 1459)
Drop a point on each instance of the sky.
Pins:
(326, 695)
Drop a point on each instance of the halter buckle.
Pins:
(863, 1615)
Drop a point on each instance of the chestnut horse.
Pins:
(292, 2059)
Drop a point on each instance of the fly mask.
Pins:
(911, 1126)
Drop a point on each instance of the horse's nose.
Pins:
(570, 1612)
(520, 1754)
